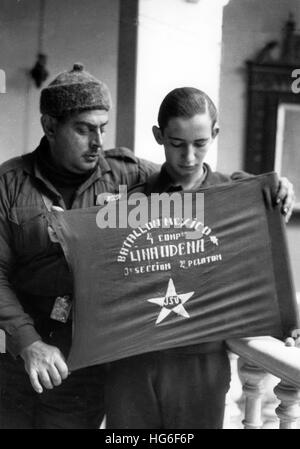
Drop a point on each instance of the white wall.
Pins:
(75, 30)
(179, 44)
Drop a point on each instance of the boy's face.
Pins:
(186, 142)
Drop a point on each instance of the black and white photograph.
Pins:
(149, 217)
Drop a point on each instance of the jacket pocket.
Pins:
(30, 230)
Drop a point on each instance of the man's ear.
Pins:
(215, 131)
(157, 134)
(49, 125)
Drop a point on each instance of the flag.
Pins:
(221, 272)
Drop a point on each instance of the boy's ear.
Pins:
(49, 125)
(157, 134)
(215, 131)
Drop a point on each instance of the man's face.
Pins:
(76, 142)
(186, 142)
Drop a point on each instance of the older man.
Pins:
(68, 169)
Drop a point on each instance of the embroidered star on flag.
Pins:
(171, 302)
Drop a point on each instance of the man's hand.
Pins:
(45, 365)
(286, 195)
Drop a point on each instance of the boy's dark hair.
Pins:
(185, 102)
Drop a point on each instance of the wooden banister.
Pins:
(269, 355)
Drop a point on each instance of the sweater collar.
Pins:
(31, 166)
(162, 181)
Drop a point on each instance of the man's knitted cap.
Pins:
(76, 90)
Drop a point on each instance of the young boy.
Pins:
(181, 388)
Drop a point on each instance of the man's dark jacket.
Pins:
(33, 270)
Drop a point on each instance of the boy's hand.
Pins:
(294, 340)
(286, 195)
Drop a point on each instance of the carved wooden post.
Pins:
(288, 410)
(103, 424)
(252, 378)
(232, 415)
